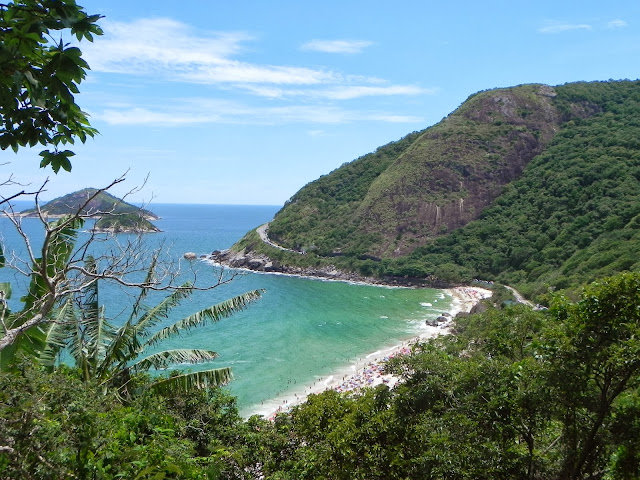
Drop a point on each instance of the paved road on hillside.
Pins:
(519, 297)
(263, 231)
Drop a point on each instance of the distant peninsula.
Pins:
(112, 214)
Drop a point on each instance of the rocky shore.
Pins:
(261, 263)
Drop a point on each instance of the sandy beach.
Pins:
(367, 371)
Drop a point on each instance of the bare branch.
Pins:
(10, 182)
(117, 262)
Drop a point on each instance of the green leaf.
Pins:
(193, 381)
(5, 291)
(166, 358)
(213, 314)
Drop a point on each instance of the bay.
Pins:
(300, 331)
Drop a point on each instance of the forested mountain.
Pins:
(533, 185)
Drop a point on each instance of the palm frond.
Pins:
(213, 314)
(5, 291)
(144, 291)
(98, 333)
(168, 357)
(187, 382)
(161, 311)
(104, 334)
(5, 294)
(57, 333)
(124, 345)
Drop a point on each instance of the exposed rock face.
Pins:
(458, 168)
(388, 203)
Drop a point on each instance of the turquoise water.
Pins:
(299, 331)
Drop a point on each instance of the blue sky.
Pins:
(245, 102)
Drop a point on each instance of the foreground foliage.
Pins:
(111, 355)
(56, 426)
(515, 393)
(41, 74)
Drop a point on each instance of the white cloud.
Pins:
(150, 45)
(356, 91)
(206, 111)
(559, 27)
(162, 50)
(238, 72)
(341, 92)
(336, 46)
(145, 116)
(170, 49)
(390, 118)
(617, 23)
(317, 133)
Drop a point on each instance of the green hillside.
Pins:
(532, 185)
(133, 222)
(574, 214)
(406, 193)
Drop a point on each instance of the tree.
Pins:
(594, 356)
(40, 75)
(111, 356)
(56, 426)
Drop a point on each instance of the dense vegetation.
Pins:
(324, 204)
(395, 199)
(516, 393)
(566, 215)
(128, 222)
(574, 214)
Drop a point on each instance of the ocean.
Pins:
(301, 330)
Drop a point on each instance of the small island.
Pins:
(112, 214)
(124, 223)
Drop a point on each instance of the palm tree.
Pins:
(112, 355)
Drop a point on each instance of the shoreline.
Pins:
(329, 274)
(367, 370)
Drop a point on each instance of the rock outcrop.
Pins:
(257, 262)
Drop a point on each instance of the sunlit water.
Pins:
(299, 331)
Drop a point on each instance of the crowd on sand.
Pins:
(369, 371)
